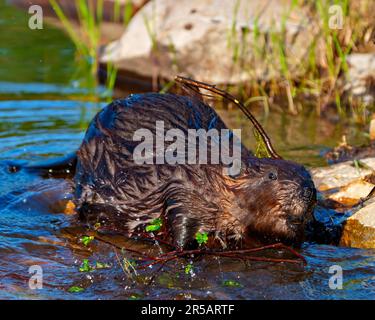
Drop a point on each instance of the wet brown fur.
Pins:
(271, 199)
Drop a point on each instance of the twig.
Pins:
(241, 254)
(235, 254)
(156, 272)
(193, 83)
(274, 246)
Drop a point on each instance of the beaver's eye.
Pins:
(272, 176)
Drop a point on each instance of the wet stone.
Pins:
(349, 185)
(359, 229)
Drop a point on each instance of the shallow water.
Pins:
(44, 110)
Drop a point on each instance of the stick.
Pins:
(197, 84)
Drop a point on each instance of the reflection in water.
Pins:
(43, 113)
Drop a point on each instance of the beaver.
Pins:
(268, 199)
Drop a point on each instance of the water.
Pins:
(44, 110)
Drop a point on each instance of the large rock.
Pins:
(359, 229)
(214, 41)
(342, 174)
(353, 192)
(348, 185)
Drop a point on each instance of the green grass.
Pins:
(316, 82)
(319, 83)
(87, 40)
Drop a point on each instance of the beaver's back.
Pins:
(106, 170)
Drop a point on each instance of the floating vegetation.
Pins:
(85, 266)
(86, 240)
(155, 225)
(189, 270)
(201, 237)
(101, 265)
(232, 283)
(76, 289)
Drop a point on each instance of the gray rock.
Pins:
(213, 41)
(342, 174)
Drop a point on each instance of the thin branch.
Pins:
(193, 83)
(241, 254)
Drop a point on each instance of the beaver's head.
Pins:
(276, 199)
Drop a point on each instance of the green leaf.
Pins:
(100, 265)
(128, 12)
(152, 227)
(85, 266)
(201, 238)
(86, 240)
(129, 263)
(232, 283)
(76, 289)
(155, 225)
(189, 268)
(261, 150)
